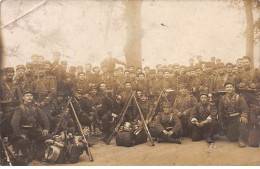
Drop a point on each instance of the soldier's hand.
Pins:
(243, 120)
(1, 113)
(179, 114)
(165, 132)
(23, 136)
(45, 132)
(170, 133)
(114, 115)
(242, 84)
(197, 124)
(37, 103)
(42, 104)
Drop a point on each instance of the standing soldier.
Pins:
(10, 98)
(88, 72)
(58, 71)
(26, 123)
(142, 83)
(168, 126)
(233, 115)
(45, 87)
(80, 85)
(96, 77)
(204, 119)
(29, 77)
(19, 77)
(144, 106)
(183, 105)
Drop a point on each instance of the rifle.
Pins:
(8, 159)
(124, 110)
(81, 131)
(145, 126)
(152, 113)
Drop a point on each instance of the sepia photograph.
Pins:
(130, 83)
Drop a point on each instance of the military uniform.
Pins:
(203, 112)
(10, 98)
(169, 122)
(231, 109)
(185, 104)
(28, 120)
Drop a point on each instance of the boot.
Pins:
(241, 143)
(161, 140)
(172, 140)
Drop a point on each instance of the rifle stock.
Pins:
(82, 133)
(8, 159)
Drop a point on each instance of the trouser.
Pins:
(34, 134)
(254, 136)
(186, 128)
(177, 135)
(235, 129)
(200, 133)
(5, 123)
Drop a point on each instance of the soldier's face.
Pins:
(166, 75)
(203, 66)
(88, 68)
(141, 77)
(177, 69)
(160, 74)
(96, 71)
(221, 71)
(20, 72)
(239, 64)
(93, 91)
(102, 87)
(131, 69)
(203, 99)
(132, 74)
(192, 73)
(28, 98)
(229, 68)
(81, 77)
(127, 74)
(246, 63)
(128, 86)
(143, 98)
(56, 57)
(42, 71)
(139, 70)
(34, 58)
(229, 88)
(115, 73)
(166, 109)
(183, 91)
(146, 71)
(198, 72)
(10, 75)
(79, 69)
(139, 93)
(47, 67)
(235, 70)
(182, 70)
(40, 59)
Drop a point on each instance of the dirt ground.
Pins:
(189, 153)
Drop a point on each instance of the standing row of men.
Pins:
(197, 98)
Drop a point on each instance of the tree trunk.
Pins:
(250, 30)
(133, 48)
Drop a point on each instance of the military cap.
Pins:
(81, 73)
(158, 65)
(166, 104)
(120, 68)
(229, 82)
(141, 73)
(41, 65)
(152, 71)
(34, 55)
(203, 93)
(40, 56)
(147, 67)
(95, 67)
(73, 68)
(20, 67)
(80, 67)
(29, 64)
(182, 85)
(26, 91)
(47, 62)
(64, 62)
(166, 70)
(9, 69)
(229, 64)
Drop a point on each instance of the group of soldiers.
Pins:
(197, 101)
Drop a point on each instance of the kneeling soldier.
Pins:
(204, 119)
(168, 126)
(26, 124)
(233, 115)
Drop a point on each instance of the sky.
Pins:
(86, 31)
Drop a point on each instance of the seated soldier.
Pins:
(254, 136)
(183, 105)
(204, 119)
(233, 115)
(168, 125)
(27, 124)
